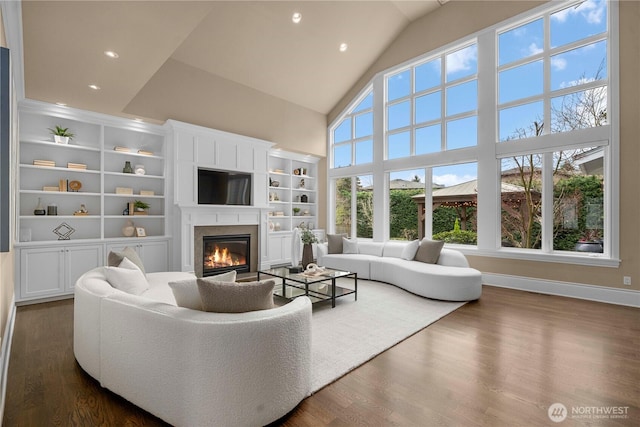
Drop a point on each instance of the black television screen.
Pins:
(223, 188)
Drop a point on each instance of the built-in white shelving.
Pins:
(41, 257)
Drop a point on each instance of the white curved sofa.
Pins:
(188, 367)
(450, 279)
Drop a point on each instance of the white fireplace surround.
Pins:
(196, 146)
(207, 216)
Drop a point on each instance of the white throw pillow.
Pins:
(115, 258)
(349, 246)
(127, 277)
(409, 251)
(186, 291)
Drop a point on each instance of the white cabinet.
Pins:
(52, 271)
(153, 253)
(279, 248)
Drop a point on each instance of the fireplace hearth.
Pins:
(224, 253)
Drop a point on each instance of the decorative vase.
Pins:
(307, 255)
(127, 167)
(61, 139)
(140, 170)
(129, 229)
(39, 210)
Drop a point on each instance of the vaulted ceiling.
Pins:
(250, 43)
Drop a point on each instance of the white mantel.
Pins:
(195, 146)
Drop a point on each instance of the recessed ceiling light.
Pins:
(111, 54)
(62, 104)
(296, 17)
(94, 87)
(343, 47)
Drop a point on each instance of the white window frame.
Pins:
(489, 151)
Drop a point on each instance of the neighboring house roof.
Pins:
(467, 190)
(591, 162)
(402, 184)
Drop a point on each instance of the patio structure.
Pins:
(464, 196)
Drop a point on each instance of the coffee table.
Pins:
(318, 288)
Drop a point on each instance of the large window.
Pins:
(454, 200)
(535, 180)
(565, 70)
(354, 204)
(404, 218)
(352, 138)
(432, 105)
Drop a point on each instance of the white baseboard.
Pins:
(626, 297)
(7, 338)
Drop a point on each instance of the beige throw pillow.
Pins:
(115, 258)
(334, 243)
(226, 297)
(429, 251)
(187, 294)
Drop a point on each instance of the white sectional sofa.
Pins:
(449, 279)
(189, 367)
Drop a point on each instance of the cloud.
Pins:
(591, 10)
(534, 49)
(450, 179)
(580, 81)
(462, 59)
(520, 31)
(558, 63)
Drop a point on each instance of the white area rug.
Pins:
(353, 332)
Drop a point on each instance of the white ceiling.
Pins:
(251, 43)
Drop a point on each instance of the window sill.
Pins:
(587, 259)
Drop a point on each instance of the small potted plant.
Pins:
(591, 241)
(61, 135)
(140, 207)
(296, 211)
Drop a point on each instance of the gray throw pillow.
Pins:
(429, 251)
(334, 243)
(187, 294)
(240, 297)
(115, 258)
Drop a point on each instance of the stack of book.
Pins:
(49, 163)
(124, 190)
(122, 149)
(81, 166)
(146, 153)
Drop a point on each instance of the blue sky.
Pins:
(448, 84)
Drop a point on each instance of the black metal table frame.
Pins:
(318, 279)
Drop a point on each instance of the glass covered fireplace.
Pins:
(225, 253)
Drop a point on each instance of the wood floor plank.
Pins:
(500, 361)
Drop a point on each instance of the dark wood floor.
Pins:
(501, 361)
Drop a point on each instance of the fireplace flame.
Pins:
(222, 257)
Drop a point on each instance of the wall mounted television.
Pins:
(217, 187)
